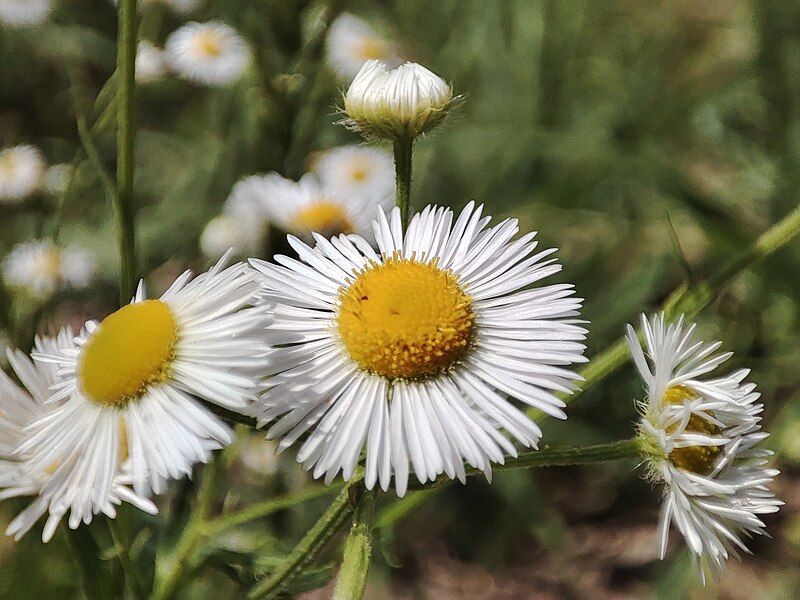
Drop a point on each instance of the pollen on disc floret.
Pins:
(405, 319)
(697, 459)
(131, 350)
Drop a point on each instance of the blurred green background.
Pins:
(648, 141)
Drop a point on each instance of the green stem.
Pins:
(403, 149)
(122, 542)
(352, 579)
(312, 542)
(95, 580)
(125, 210)
(690, 301)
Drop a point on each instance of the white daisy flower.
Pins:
(22, 407)
(225, 231)
(22, 169)
(411, 351)
(151, 64)
(702, 437)
(41, 267)
(24, 13)
(403, 102)
(133, 385)
(56, 179)
(210, 53)
(351, 42)
(302, 207)
(363, 171)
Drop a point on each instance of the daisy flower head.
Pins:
(22, 170)
(302, 207)
(151, 64)
(414, 350)
(399, 103)
(362, 171)
(24, 13)
(24, 409)
(701, 435)
(351, 42)
(226, 231)
(41, 267)
(211, 53)
(132, 385)
(56, 179)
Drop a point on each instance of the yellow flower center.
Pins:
(697, 459)
(325, 217)
(373, 48)
(209, 44)
(48, 264)
(359, 174)
(405, 319)
(132, 349)
(8, 164)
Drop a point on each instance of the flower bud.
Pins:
(399, 103)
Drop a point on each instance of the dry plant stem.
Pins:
(312, 542)
(402, 167)
(689, 301)
(125, 210)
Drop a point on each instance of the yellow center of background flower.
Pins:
(131, 349)
(374, 49)
(327, 218)
(697, 459)
(209, 43)
(405, 319)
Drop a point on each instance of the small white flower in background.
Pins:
(258, 454)
(56, 179)
(210, 53)
(183, 7)
(398, 103)
(41, 267)
(24, 406)
(701, 436)
(22, 170)
(362, 171)
(132, 387)
(151, 64)
(225, 231)
(24, 13)
(414, 350)
(302, 207)
(351, 42)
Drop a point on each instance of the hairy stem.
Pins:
(125, 210)
(403, 149)
(353, 573)
(312, 542)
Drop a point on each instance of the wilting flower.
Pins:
(24, 410)
(131, 387)
(398, 103)
(301, 207)
(702, 437)
(412, 351)
(360, 171)
(56, 179)
(225, 231)
(22, 169)
(151, 64)
(210, 53)
(24, 13)
(41, 267)
(351, 42)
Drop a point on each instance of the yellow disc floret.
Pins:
(405, 319)
(132, 349)
(325, 217)
(697, 459)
